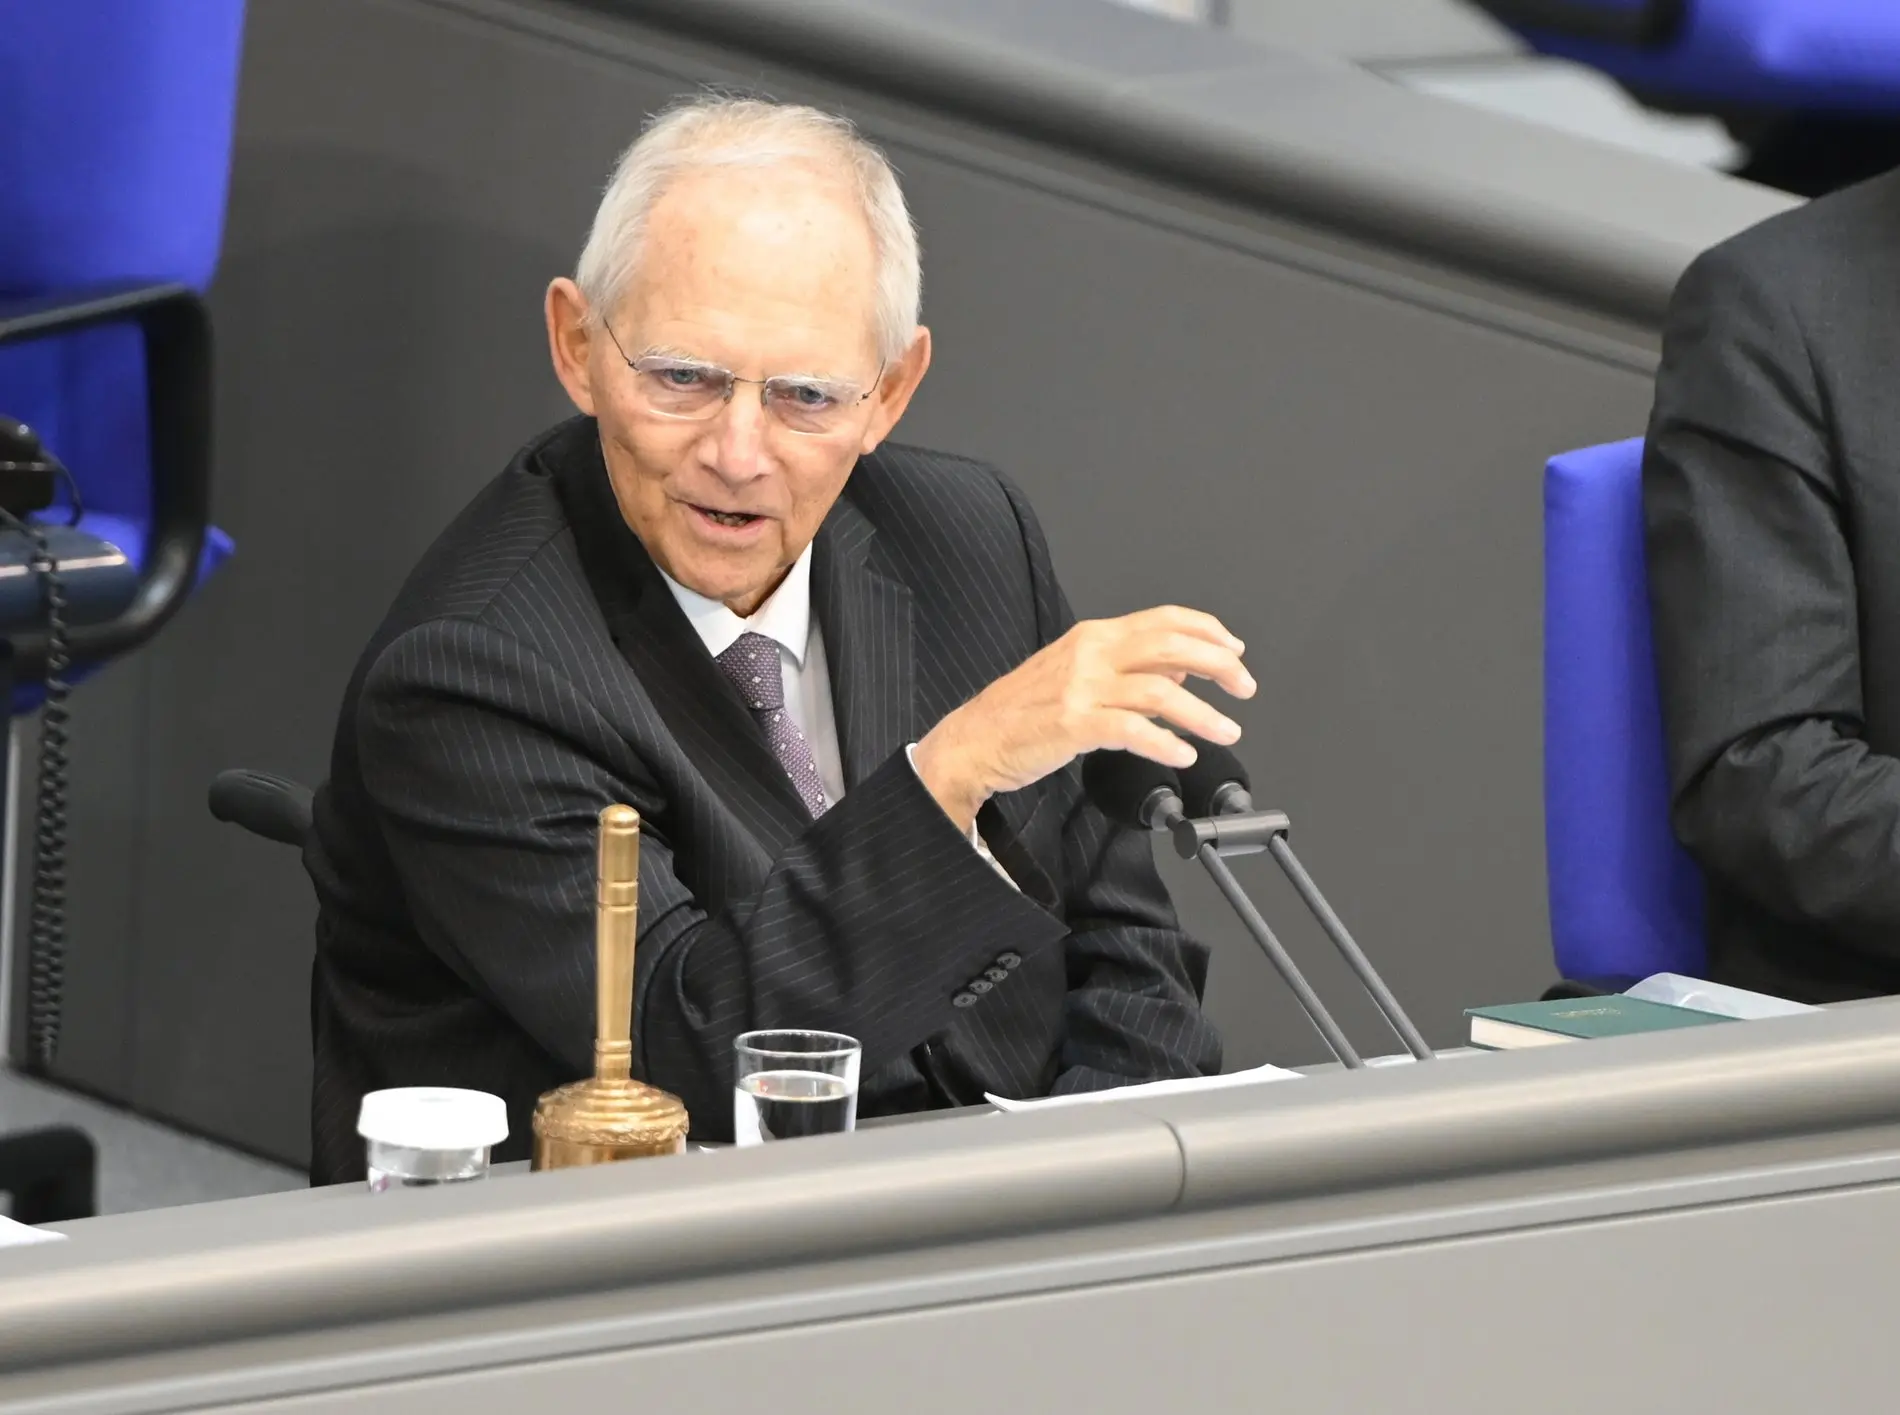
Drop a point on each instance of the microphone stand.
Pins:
(1241, 830)
(1163, 811)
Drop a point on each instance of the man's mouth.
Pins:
(733, 519)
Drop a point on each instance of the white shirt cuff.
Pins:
(910, 755)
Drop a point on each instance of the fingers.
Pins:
(1155, 695)
(1178, 619)
(1174, 643)
(1170, 653)
(1131, 732)
(1117, 683)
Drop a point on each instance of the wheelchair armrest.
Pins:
(177, 333)
(271, 806)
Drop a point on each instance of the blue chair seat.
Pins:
(1625, 899)
(1834, 56)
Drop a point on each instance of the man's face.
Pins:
(765, 273)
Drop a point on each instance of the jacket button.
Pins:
(964, 999)
(979, 986)
(996, 975)
(1011, 961)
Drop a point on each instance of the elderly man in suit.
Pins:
(836, 676)
(1772, 492)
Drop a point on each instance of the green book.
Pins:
(1536, 1024)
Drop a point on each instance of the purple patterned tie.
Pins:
(752, 663)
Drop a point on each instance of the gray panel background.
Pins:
(1336, 449)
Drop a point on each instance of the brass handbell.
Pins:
(611, 1116)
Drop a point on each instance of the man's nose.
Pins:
(739, 436)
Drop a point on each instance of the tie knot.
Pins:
(752, 663)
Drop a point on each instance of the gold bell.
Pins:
(610, 1116)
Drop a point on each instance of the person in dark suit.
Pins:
(1772, 501)
(836, 676)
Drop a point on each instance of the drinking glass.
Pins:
(794, 1083)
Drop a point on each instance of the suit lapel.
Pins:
(697, 702)
(865, 613)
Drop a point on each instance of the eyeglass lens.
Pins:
(677, 389)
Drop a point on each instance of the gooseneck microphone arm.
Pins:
(1141, 793)
(1224, 880)
(1361, 965)
(1233, 824)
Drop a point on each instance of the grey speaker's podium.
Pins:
(1701, 1220)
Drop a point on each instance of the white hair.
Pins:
(715, 130)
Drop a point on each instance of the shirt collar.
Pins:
(785, 617)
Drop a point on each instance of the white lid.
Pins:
(433, 1118)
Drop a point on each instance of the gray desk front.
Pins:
(1708, 1216)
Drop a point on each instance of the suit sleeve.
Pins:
(1135, 979)
(1752, 588)
(488, 771)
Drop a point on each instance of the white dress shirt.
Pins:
(786, 619)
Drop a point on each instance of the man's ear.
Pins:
(894, 390)
(570, 342)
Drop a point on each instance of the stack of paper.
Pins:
(1724, 1001)
(1148, 1089)
(19, 1234)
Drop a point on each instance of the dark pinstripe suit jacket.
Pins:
(535, 669)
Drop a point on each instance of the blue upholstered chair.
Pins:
(1625, 900)
(115, 151)
(1811, 87)
(1790, 55)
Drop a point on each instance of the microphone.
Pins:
(1132, 790)
(1135, 791)
(1216, 786)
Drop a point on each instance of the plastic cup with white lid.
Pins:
(423, 1135)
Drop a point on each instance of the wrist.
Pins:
(947, 775)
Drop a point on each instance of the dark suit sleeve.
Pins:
(488, 769)
(1133, 1009)
(1753, 597)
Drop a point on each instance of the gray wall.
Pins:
(1376, 31)
(1333, 444)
